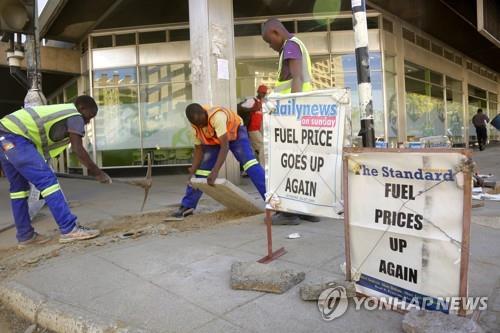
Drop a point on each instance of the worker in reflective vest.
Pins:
(294, 67)
(294, 75)
(217, 130)
(28, 139)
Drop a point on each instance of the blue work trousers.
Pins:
(243, 152)
(22, 163)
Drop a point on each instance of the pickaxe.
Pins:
(145, 182)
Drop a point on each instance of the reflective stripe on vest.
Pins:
(35, 124)
(209, 137)
(285, 87)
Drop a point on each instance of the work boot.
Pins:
(36, 239)
(180, 214)
(309, 218)
(285, 219)
(79, 233)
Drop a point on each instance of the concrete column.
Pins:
(213, 71)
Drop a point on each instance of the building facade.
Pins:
(141, 79)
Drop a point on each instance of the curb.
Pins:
(54, 315)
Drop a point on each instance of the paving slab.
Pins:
(423, 321)
(78, 280)
(220, 325)
(152, 307)
(208, 283)
(261, 277)
(154, 256)
(229, 195)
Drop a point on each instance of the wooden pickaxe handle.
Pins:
(145, 182)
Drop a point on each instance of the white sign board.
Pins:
(304, 135)
(405, 220)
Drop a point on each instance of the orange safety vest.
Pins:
(209, 137)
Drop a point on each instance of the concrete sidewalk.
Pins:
(179, 281)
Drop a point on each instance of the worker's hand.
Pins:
(212, 177)
(103, 178)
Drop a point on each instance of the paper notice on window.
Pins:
(222, 69)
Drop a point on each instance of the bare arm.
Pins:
(221, 158)
(84, 158)
(295, 66)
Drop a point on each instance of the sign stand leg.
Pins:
(464, 253)
(270, 254)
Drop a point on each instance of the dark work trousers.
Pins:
(482, 136)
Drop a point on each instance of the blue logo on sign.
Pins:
(291, 108)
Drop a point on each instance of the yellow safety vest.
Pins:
(285, 87)
(35, 123)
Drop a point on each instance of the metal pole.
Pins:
(363, 69)
(35, 95)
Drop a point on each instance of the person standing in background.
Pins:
(294, 75)
(480, 120)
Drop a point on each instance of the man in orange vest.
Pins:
(216, 131)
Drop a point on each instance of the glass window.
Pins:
(71, 92)
(102, 41)
(247, 29)
(422, 42)
(290, 26)
(437, 49)
(409, 35)
(448, 55)
(477, 92)
(344, 75)
(311, 26)
(125, 39)
(152, 37)
(347, 62)
(252, 73)
(454, 111)
(165, 73)
(421, 73)
(118, 137)
(164, 124)
(493, 111)
(178, 35)
(387, 25)
(425, 112)
(424, 109)
(321, 72)
(392, 101)
(339, 24)
(492, 97)
(115, 77)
